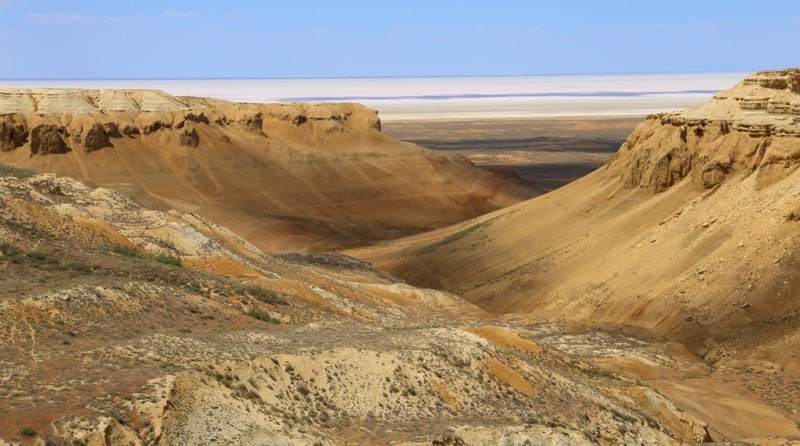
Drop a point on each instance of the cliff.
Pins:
(752, 128)
(285, 176)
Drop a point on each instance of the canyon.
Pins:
(194, 271)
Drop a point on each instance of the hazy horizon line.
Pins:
(435, 76)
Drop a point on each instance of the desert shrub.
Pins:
(9, 250)
(12, 253)
(263, 316)
(7, 170)
(79, 267)
(194, 286)
(27, 431)
(258, 293)
(129, 251)
(36, 256)
(168, 260)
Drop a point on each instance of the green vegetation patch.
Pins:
(168, 260)
(11, 252)
(258, 293)
(263, 316)
(7, 170)
(130, 251)
(27, 431)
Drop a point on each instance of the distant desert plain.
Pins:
(184, 270)
(546, 153)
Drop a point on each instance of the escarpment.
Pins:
(752, 128)
(80, 113)
(286, 176)
(92, 117)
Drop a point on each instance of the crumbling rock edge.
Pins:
(752, 128)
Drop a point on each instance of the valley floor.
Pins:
(546, 153)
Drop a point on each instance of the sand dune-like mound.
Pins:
(285, 176)
(691, 230)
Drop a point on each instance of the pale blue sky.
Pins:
(52, 39)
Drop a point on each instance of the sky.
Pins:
(167, 39)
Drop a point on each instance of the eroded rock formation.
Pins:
(752, 128)
(189, 136)
(97, 138)
(12, 135)
(48, 139)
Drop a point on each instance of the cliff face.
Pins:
(752, 128)
(286, 176)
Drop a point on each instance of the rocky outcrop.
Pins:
(776, 80)
(325, 119)
(747, 129)
(677, 421)
(131, 131)
(189, 136)
(112, 130)
(251, 122)
(48, 139)
(155, 126)
(96, 138)
(12, 135)
(199, 118)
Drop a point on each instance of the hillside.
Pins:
(287, 177)
(691, 230)
(123, 325)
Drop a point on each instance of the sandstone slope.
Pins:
(287, 177)
(123, 325)
(691, 231)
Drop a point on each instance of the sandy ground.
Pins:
(545, 152)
